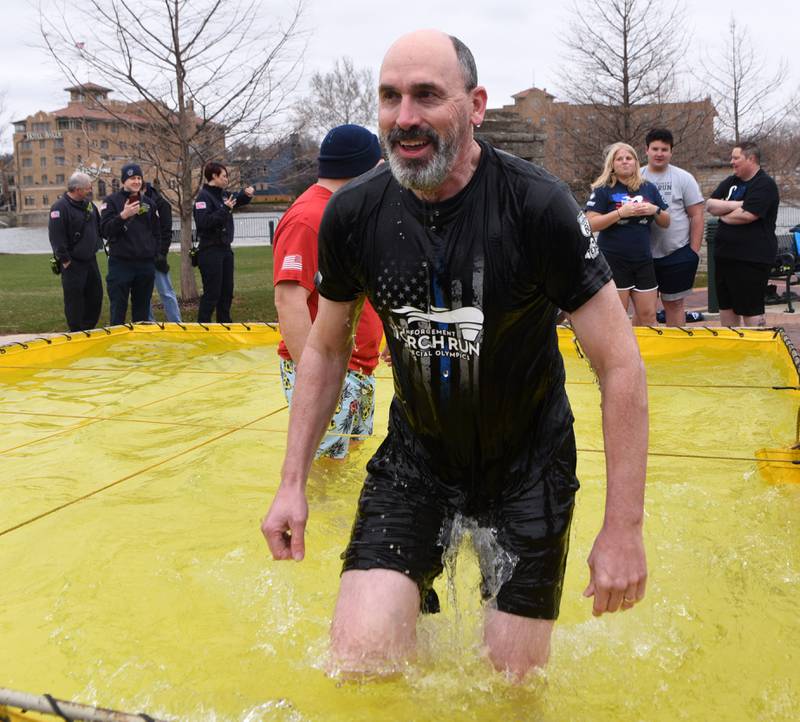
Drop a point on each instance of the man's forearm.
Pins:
(739, 217)
(295, 325)
(718, 207)
(696, 227)
(625, 431)
(317, 388)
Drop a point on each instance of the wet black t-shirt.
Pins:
(468, 291)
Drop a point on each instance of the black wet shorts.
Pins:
(675, 273)
(741, 286)
(405, 518)
(632, 275)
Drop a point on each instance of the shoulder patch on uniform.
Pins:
(55, 214)
(200, 204)
(583, 222)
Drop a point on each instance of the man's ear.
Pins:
(479, 100)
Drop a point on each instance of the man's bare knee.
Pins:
(374, 625)
(516, 645)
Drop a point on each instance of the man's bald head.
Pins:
(429, 102)
(435, 42)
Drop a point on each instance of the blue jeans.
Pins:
(169, 300)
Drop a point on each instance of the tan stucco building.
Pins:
(93, 134)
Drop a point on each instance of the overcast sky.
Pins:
(515, 42)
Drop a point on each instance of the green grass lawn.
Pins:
(31, 300)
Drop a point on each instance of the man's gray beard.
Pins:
(422, 175)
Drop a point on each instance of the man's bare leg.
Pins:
(375, 623)
(760, 320)
(728, 318)
(674, 312)
(516, 644)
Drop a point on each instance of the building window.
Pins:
(59, 160)
(114, 185)
(44, 179)
(101, 188)
(25, 145)
(30, 201)
(60, 179)
(104, 144)
(20, 127)
(77, 142)
(59, 143)
(41, 127)
(27, 180)
(41, 144)
(114, 128)
(46, 200)
(27, 162)
(43, 161)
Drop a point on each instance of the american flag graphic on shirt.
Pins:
(292, 263)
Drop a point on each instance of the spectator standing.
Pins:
(213, 218)
(163, 283)
(74, 233)
(746, 204)
(621, 207)
(676, 248)
(129, 223)
(346, 152)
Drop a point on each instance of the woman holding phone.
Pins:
(130, 225)
(213, 217)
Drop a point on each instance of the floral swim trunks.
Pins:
(353, 417)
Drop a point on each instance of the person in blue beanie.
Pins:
(129, 222)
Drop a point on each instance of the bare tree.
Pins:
(196, 73)
(344, 95)
(745, 93)
(621, 77)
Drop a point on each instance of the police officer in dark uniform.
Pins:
(213, 209)
(130, 223)
(74, 232)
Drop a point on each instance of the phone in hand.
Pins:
(133, 197)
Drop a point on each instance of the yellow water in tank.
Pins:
(135, 467)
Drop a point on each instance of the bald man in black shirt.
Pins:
(466, 253)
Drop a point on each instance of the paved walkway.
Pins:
(698, 301)
(776, 314)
